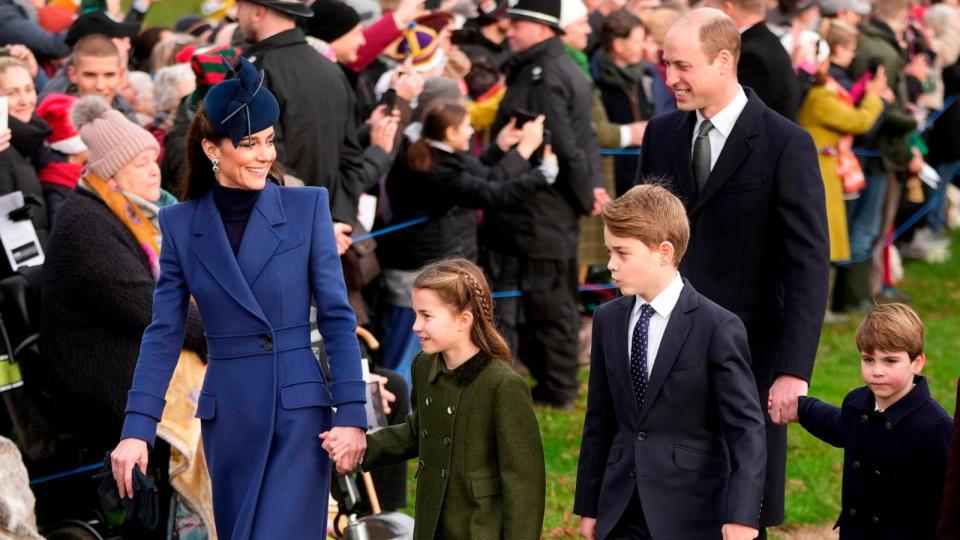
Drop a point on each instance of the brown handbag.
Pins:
(360, 264)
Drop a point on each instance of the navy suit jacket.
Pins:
(696, 452)
(758, 232)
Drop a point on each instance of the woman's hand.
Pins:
(346, 446)
(531, 137)
(128, 454)
(878, 84)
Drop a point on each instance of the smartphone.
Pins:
(874, 65)
(522, 117)
(4, 111)
(390, 100)
(462, 37)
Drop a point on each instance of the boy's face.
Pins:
(636, 268)
(889, 374)
(101, 76)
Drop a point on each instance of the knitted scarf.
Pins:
(131, 216)
(581, 59)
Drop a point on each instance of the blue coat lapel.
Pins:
(260, 240)
(213, 251)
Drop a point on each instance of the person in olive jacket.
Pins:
(895, 436)
(481, 468)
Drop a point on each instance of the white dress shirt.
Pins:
(723, 123)
(662, 306)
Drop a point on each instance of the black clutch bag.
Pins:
(145, 504)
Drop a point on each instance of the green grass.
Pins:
(813, 467)
(166, 12)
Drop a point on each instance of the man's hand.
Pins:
(384, 132)
(346, 446)
(588, 528)
(637, 129)
(735, 531)
(782, 401)
(341, 233)
(23, 54)
(386, 397)
(600, 198)
(407, 82)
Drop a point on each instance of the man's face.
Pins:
(247, 20)
(348, 45)
(97, 75)
(577, 34)
(694, 79)
(525, 34)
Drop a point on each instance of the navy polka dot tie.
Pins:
(638, 353)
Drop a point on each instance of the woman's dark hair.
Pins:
(199, 176)
(440, 116)
(143, 46)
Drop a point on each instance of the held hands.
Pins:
(346, 446)
(127, 454)
(735, 531)
(784, 395)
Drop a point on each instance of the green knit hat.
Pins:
(208, 66)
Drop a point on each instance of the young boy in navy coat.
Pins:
(673, 439)
(895, 437)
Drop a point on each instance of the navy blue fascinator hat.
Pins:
(241, 106)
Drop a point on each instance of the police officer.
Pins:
(534, 249)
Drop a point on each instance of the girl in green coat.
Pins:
(480, 473)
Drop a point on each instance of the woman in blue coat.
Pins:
(252, 255)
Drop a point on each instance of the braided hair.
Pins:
(462, 285)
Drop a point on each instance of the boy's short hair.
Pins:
(891, 328)
(651, 214)
(95, 46)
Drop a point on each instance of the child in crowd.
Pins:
(63, 166)
(673, 438)
(481, 467)
(894, 435)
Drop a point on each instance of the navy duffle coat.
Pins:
(264, 400)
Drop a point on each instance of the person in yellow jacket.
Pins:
(832, 118)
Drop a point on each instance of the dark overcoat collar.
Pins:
(735, 151)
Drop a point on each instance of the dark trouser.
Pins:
(632, 524)
(540, 320)
(764, 345)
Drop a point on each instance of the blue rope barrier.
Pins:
(390, 229)
(619, 151)
(935, 115)
(72, 472)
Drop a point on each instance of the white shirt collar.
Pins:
(664, 303)
(440, 146)
(724, 120)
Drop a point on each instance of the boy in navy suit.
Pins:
(895, 437)
(673, 440)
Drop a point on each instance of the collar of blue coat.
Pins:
(862, 400)
(464, 374)
(268, 204)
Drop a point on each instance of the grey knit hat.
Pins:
(112, 139)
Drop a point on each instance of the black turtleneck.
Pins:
(234, 206)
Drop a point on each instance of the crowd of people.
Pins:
(824, 147)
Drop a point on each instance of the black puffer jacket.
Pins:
(454, 183)
(545, 80)
(97, 301)
(17, 172)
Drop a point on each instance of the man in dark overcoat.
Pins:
(317, 133)
(534, 249)
(751, 184)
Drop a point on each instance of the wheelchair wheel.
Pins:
(73, 530)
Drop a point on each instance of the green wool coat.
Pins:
(481, 473)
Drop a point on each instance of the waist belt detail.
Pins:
(266, 342)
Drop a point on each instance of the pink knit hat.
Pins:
(112, 139)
